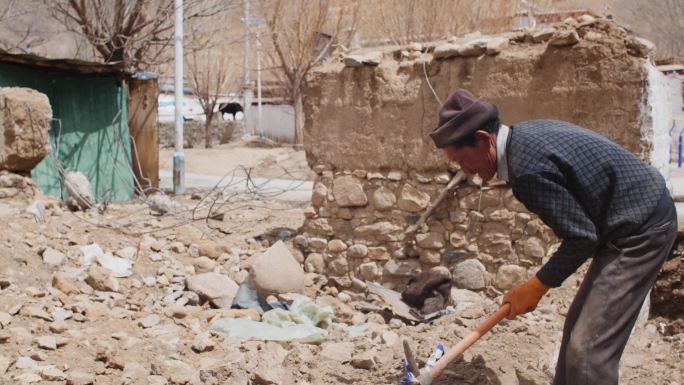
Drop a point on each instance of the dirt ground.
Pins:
(147, 332)
(267, 162)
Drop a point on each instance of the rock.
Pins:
(496, 45)
(383, 199)
(402, 269)
(564, 38)
(64, 285)
(276, 271)
(381, 231)
(470, 274)
(338, 351)
(5, 362)
(509, 276)
(356, 61)
(315, 263)
(389, 337)
(176, 372)
(212, 314)
(161, 204)
(433, 240)
(211, 249)
(586, 19)
(348, 192)
(80, 192)
(53, 258)
(134, 373)
(5, 320)
(336, 246)
(318, 244)
(177, 247)
(445, 51)
(365, 360)
(202, 343)
(639, 47)
(534, 247)
(156, 380)
(338, 266)
(412, 199)
(52, 374)
(368, 271)
(36, 312)
(26, 118)
(47, 342)
(543, 35)
(100, 279)
(378, 253)
(430, 257)
(80, 377)
(319, 195)
(593, 36)
(149, 321)
(59, 327)
(23, 362)
(357, 251)
(210, 286)
(301, 242)
(203, 264)
(319, 226)
(474, 48)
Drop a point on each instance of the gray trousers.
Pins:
(607, 304)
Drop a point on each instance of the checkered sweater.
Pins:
(586, 188)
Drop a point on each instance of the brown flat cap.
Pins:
(460, 116)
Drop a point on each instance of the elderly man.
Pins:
(599, 199)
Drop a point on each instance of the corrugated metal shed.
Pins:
(90, 121)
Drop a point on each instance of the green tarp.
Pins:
(89, 130)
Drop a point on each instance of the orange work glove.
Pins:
(524, 297)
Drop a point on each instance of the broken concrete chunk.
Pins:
(564, 38)
(276, 271)
(26, 118)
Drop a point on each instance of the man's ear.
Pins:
(481, 135)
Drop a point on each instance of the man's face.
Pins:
(479, 159)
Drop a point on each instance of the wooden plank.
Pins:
(142, 122)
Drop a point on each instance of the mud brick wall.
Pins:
(368, 116)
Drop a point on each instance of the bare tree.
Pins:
(301, 34)
(135, 33)
(212, 72)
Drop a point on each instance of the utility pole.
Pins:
(258, 58)
(178, 156)
(246, 87)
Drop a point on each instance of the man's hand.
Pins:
(524, 297)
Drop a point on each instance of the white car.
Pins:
(192, 109)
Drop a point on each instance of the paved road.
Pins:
(278, 189)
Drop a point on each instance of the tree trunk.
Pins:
(207, 130)
(299, 118)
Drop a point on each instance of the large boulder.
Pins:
(25, 118)
(277, 271)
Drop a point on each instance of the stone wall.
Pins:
(367, 120)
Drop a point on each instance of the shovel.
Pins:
(427, 375)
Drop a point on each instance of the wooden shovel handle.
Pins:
(470, 339)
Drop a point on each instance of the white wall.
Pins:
(277, 122)
(664, 101)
